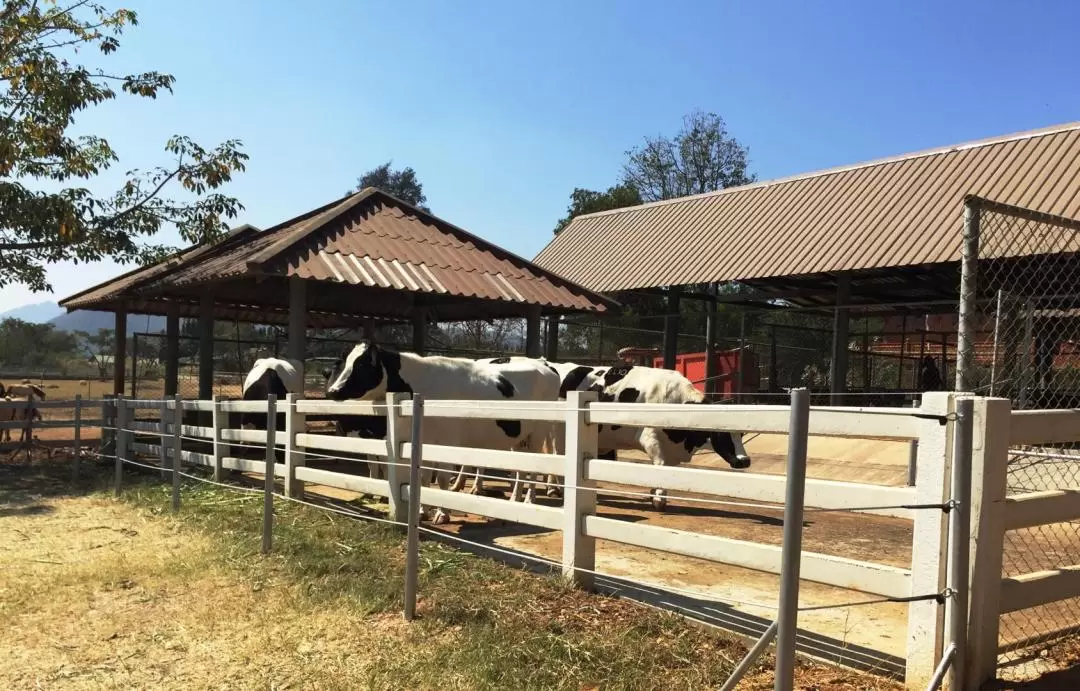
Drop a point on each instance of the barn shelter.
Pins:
(883, 237)
(360, 261)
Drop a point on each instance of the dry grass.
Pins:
(96, 593)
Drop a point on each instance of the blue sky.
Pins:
(504, 108)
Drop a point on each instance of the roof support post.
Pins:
(297, 319)
(551, 345)
(206, 346)
(671, 327)
(119, 350)
(710, 343)
(419, 331)
(368, 329)
(172, 349)
(532, 332)
(839, 369)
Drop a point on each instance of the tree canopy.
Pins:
(583, 201)
(46, 215)
(403, 184)
(34, 346)
(701, 157)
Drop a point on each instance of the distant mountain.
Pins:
(35, 314)
(83, 320)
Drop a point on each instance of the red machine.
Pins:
(692, 366)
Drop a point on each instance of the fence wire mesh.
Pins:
(1024, 322)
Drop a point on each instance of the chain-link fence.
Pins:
(1019, 330)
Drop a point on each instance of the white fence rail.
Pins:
(579, 418)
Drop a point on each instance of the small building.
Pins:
(363, 260)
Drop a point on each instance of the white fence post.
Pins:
(108, 419)
(989, 461)
(163, 437)
(926, 618)
(295, 423)
(177, 451)
(77, 443)
(412, 542)
(579, 496)
(397, 470)
(268, 475)
(121, 441)
(218, 417)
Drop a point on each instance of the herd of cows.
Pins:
(367, 372)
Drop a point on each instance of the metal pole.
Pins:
(268, 475)
(134, 365)
(774, 386)
(969, 271)
(120, 445)
(903, 349)
(913, 454)
(994, 352)
(738, 388)
(788, 615)
(412, 545)
(943, 666)
(77, 443)
(1025, 358)
(960, 536)
(751, 657)
(178, 424)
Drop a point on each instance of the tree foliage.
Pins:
(46, 215)
(583, 201)
(98, 348)
(701, 157)
(402, 184)
(34, 346)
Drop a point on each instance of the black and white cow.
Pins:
(368, 372)
(635, 384)
(268, 376)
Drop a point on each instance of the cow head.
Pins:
(729, 446)
(365, 372)
(357, 374)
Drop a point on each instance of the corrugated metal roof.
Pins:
(366, 239)
(901, 211)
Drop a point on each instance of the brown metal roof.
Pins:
(377, 244)
(897, 212)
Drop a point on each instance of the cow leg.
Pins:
(441, 517)
(459, 480)
(652, 446)
(478, 481)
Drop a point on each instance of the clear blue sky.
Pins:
(504, 108)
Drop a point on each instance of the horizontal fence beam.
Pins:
(521, 461)
(879, 579)
(249, 436)
(1029, 427)
(825, 494)
(357, 445)
(206, 459)
(249, 466)
(530, 514)
(544, 411)
(353, 483)
(242, 406)
(321, 407)
(1042, 508)
(876, 423)
(1039, 588)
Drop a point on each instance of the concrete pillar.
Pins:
(206, 347)
(839, 369)
(532, 332)
(172, 350)
(297, 348)
(419, 334)
(119, 351)
(671, 327)
(710, 343)
(551, 346)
